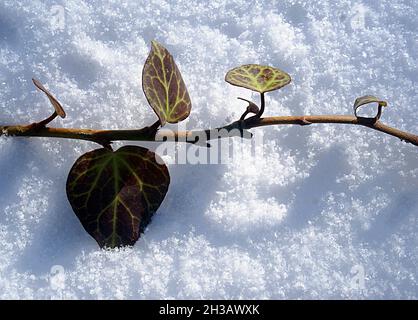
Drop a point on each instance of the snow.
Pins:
(328, 211)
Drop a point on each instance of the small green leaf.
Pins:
(164, 87)
(115, 194)
(257, 78)
(57, 106)
(366, 100)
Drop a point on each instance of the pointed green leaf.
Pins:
(257, 78)
(164, 87)
(115, 194)
(366, 100)
(57, 106)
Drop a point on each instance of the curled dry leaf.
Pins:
(57, 106)
(366, 100)
(116, 193)
(257, 77)
(164, 87)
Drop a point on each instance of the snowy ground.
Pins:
(324, 206)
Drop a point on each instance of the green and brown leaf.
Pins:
(257, 78)
(164, 87)
(115, 194)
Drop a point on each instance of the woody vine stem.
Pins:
(151, 133)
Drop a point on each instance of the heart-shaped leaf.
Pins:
(257, 78)
(366, 100)
(115, 194)
(57, 106)
(164, 87)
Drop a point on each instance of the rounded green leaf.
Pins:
(115, 194)
(57, 106)
(257, 78)
(366, 100)
(164, 87)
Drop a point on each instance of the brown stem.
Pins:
(145, 134)
(43, 123)
(261, 111)
(262, 105)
